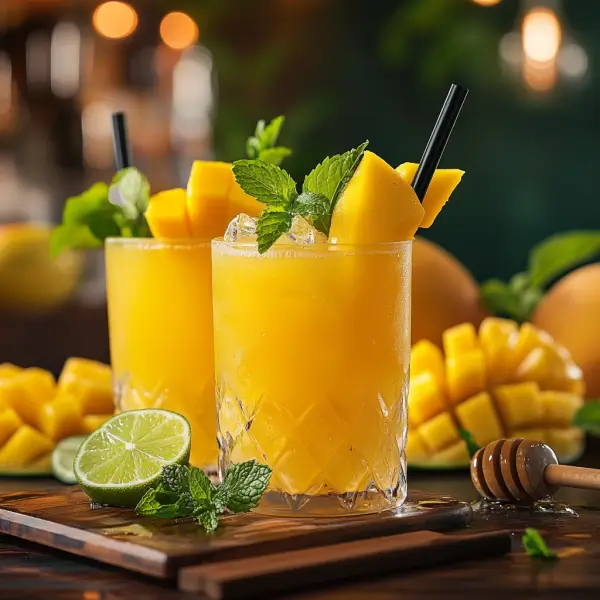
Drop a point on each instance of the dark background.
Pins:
(341, 71)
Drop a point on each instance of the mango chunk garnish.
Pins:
(26, 392)
(9, 423)
(61, 417)
(89, 383)
(24, 446)
(440, 189)
(167, 215)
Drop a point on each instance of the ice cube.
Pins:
(302, 232)
(241, 229)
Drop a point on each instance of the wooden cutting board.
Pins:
(159, 548)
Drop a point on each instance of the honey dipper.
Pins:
(523, 471)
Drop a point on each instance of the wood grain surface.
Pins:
(64, 520)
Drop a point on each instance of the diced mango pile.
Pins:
(203, 211)
(36, 411)
(503, 381)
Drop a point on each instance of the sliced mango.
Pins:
(377, 206)
(9, 423)
(85, 368)
(567, 443)
(425, 356)
(478, 416)
(519, 404)
(167, 215)
(24, 447)
(89, 383)
(439, 432)
(8, 370)
(496, 338)
(425, 398)
(559, 408)
(465, 375)
(457, 454)
(214, 198)
(26, 392)
(440, 189)
(416, 450)
(89, 423)
(459, 339)
(61, 417)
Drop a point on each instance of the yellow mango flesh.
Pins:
(478, 416)
(89, 423)
(9, 423)
(377, 206)
(214, 198)
(427, 357)
(442, 185)
(167, 215)
(89, 383)
(61, 417)
(519, 404)
(26, 392)
(425, 398)
(465, 375)
(24, 446)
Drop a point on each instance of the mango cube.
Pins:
(167, 215)
(459, 340)
(26, 392)
(519, 404)
(496, 338)
(89, 383)
(8, 370)
(61, 417)
(567, 443)
(89, 423)
(534, 433)
(478, 416)
(416, 450)
(425, 398)
(442, 185)
(559, 408)
(439, 432)
(425, 356)
(377, 206)
(23, 447)
(465, 375)
(529, 338)
(9, 423)
(457, 454)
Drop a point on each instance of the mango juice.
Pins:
(312, 351)
(161, 340)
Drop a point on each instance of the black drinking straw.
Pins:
(438, 139)
(120, 141)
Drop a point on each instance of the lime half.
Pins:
(63, 457)
(118, 462)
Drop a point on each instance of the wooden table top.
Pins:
(28, 571)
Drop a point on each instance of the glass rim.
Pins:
(157, 243)
(329, 249)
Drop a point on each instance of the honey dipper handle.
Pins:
(576, 477)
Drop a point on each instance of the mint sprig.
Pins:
(535, 545)
(274, 187)
(262, 145)
(104, 211)
(588, 418)
(548, 260)
(184, 492)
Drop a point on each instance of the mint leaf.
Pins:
(329, 175)
(79, 209)
(209, 519)
(175, 478)
(535, 545)
(472, 445)
(269, 135)
(315, 209)
(72, 236)
(351, 162)
(186, 505)
(131, 191)
(273, 222)
(267, 183)
(560, 253)
(588, 418)
(245, 484)
(500, 299)
(201, 488)
(150, 505)
(275, 155)
(219, 499)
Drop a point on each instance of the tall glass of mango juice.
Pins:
(312, 351)
(160, 321)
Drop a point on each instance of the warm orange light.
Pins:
(178, 31)
(115, 20)
(542, 35)
(487, 2)
(540, 77)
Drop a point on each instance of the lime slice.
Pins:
(63, 457)
(118, 462)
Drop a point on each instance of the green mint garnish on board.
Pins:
(535, 545)
(274, 187)
(472, 445)
(588, 418)
(263, 144)
(548, 260)
(184, 492)
(104, 211)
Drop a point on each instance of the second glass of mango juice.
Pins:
(312, 349)
(160, 321)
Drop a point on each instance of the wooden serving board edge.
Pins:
(90, 545)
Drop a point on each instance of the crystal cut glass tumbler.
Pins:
(312, 353)
(161, 339)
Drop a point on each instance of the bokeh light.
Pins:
(540, 76)
(115, 20)
(178, 31)
(542, 35)
(487, 2)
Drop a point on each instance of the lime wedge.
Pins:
(118, 462)
(63, 457)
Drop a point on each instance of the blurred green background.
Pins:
(341, 71)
